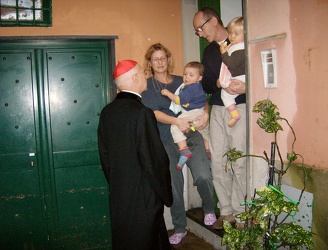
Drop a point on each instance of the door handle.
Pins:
(32, 161)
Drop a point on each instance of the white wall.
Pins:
(190, 40)
(230, 9)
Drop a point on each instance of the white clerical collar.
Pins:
(131, 92)
(222, 41)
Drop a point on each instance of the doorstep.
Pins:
(191, 242)
(195, 224)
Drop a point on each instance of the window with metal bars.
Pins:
(25, 13)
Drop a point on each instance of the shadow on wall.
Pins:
(317, 184)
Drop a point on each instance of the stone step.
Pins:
(192, 242)
(195, 224)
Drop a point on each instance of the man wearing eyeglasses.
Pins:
(229, 185)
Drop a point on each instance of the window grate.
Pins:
(25, 13)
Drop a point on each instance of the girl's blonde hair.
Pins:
(236, 24)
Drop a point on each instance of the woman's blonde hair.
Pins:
(153, 48)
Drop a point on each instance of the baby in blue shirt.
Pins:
(190, 100)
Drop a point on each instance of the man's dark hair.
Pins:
(209, 12)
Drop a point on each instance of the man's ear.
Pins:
(135, 78)
(214, 21)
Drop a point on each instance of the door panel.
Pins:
(75, 97)
(82, 208)
(19, 175)
(75, 81)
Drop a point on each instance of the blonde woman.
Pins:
(160, 65)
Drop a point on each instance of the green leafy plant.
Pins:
(262, 229)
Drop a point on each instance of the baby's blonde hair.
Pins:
(236, 24)
(196, 65)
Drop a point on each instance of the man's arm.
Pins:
(153, 157)
(103, 148)
(212, 63)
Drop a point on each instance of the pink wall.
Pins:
(138, 24)
(302, 73)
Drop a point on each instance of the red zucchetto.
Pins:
(123, 66)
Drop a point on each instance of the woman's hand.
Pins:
(183, 124)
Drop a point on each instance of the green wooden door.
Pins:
(53, 179)
(76, 78)
(21, 204)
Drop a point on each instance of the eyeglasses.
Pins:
(157, 60)
(200, 28)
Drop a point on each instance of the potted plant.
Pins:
(264, 228)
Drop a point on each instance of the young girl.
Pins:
(233, 65)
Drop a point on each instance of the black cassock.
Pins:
(136, 167)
